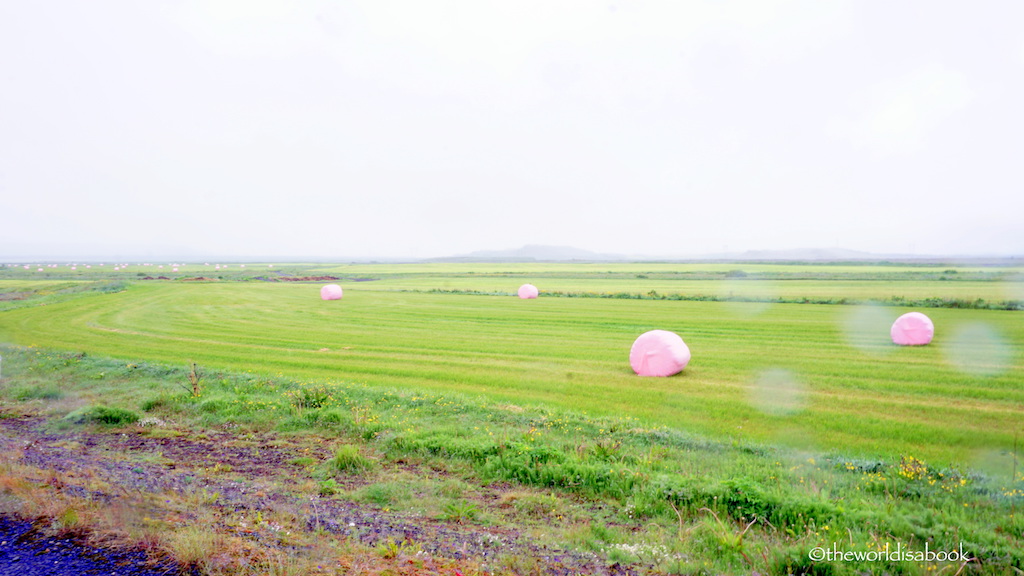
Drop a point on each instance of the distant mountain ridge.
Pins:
(527, 253)
(534, 253)
(544, 253)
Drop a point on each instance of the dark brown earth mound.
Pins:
(306, 278)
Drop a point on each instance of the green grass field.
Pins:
(796, 426)
(736, 281)
(842, 386)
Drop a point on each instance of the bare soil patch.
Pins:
(14, 295)
(233, 477)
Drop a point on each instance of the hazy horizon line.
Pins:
(509, 255)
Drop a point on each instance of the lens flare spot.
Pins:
(996, 463)
(747, 297)
(778, 393)
(1013, 288)
(866, 328)
(977, 349)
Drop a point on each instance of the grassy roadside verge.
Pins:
(657, 499)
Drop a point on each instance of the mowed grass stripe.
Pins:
(571, 353)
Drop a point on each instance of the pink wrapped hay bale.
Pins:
(527, 291)
(330, 292)
(659, 353)
(912, 329)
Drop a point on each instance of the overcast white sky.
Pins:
(431, 128)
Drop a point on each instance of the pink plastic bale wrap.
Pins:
(912, 329)
(528, 291)
(330, 292)
(659, 353)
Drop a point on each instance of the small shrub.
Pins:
(534, 505)
(67, 521)
(192, 547)
(311, 397)
(331, 418)
(37, 393)
(460, 512)
(745, 498)
(154, 403)
(195, 381)
(383, 494)
(452, 488)
(391, 549)
(606, 450)
(102, 415)
(348, 459)
(328, 487)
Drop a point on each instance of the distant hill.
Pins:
(534, 253)
(543, 253)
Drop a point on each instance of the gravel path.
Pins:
(25, 552)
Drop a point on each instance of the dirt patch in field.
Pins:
(14, 296)
(306, 278)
